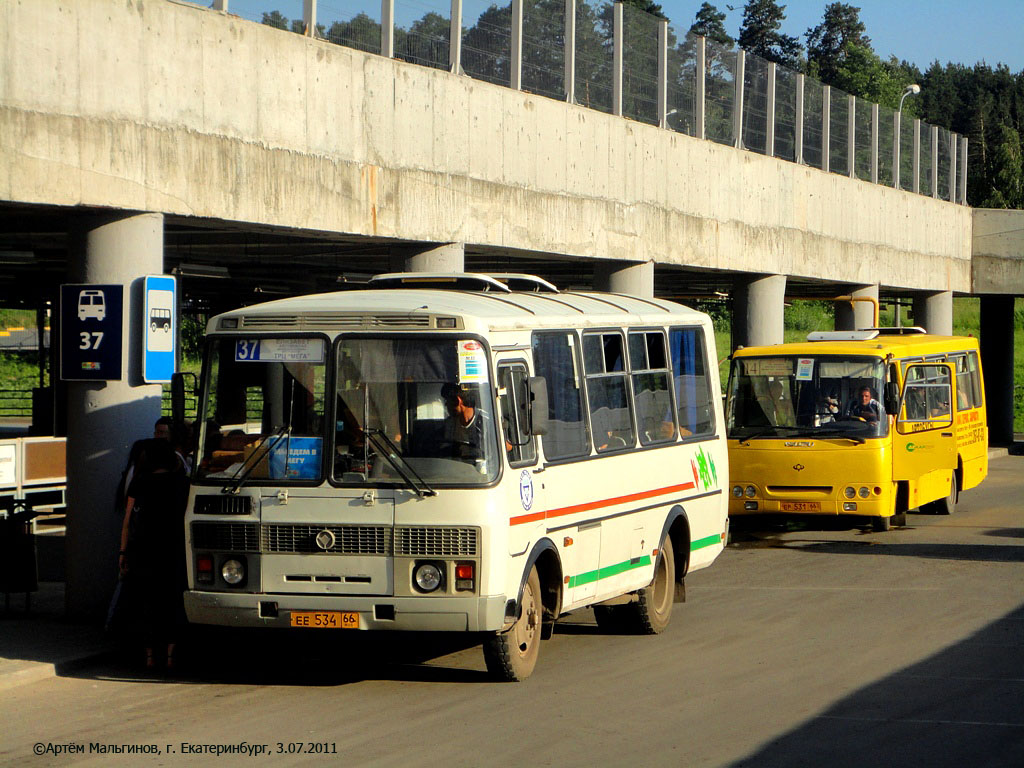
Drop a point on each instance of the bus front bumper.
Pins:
(446, 614)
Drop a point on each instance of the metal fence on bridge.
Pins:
(623, 61)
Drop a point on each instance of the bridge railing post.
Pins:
(917, 156)
(387, 28)
(952, 167)
(826, 127)
(935, 161)
(798, 127)
(309, 17)
(769, 133)
(700, 88)
(570, 51)
(963, 170)
(896, 128)
(851, 135)
(516, 47)
(455, 38)
(617, 59)
(737, 102)
(874, 143)
(663, 73)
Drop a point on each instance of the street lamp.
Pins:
(912, 89)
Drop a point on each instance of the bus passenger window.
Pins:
(610, 418)
(554, 358)
(693, 390)
(649, 372)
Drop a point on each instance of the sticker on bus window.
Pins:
(805, 369)
(296, 458)
(472, 361)
(279, 351)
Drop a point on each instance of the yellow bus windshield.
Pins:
(806, 395)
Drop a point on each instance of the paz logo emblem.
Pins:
(798, 467)
(325, 540)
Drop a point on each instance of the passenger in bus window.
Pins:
(864, 406)
(827, 409)
(465, 429)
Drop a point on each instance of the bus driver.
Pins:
(864, 406)
(464, 431)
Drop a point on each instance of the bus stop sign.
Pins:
(161, 331)
(90, 332)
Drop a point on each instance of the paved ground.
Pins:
(814, 646)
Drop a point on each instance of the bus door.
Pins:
(924, 443)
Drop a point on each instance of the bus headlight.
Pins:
(427, 577)
(751, 491)
(863, 492)
(232, 572)
(737, 491)
(849, 492)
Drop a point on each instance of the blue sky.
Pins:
(919, 31)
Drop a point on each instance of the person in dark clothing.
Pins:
(465, 429)
(152, 556)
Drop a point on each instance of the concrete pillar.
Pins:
(636, 279)
(859, 314)
(446, 257)
(934, 312)
(996, 339)
(757, 310)
(105, 418)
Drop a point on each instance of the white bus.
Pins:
(456, 452)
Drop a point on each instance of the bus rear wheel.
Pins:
(511, 655)
(653, 608)
(947, 505)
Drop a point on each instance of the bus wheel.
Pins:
(512, 655)
(947, 505)
(881, 524)
(653, 609)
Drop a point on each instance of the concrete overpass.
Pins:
(145, 135)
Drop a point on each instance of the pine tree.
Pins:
(760, 34)
(826, 43)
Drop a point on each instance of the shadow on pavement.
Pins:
(959, 707)
(227, 656)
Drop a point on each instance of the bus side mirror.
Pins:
(892, 397)
(538, 405)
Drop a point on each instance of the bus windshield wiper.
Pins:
(387, 448)
(268, 444)
(766, 432)
(833, 432)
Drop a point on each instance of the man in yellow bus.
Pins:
(864, 406)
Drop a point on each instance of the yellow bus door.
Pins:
(924, 443)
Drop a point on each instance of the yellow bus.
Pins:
(872, 422)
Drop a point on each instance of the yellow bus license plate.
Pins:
(325, 619)
(801, 506)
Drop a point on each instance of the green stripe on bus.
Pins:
(707, 541)
(611, 570)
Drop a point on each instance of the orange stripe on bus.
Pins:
(561, 511)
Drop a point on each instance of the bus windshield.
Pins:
(264, 410)
(417, 408)
(794, 396)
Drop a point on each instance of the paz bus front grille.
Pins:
(299, 538)
(347, 539)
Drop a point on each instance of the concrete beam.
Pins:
(623, 277)
(758, 306)
(105, 418)
(998, 246)
(327, 138)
